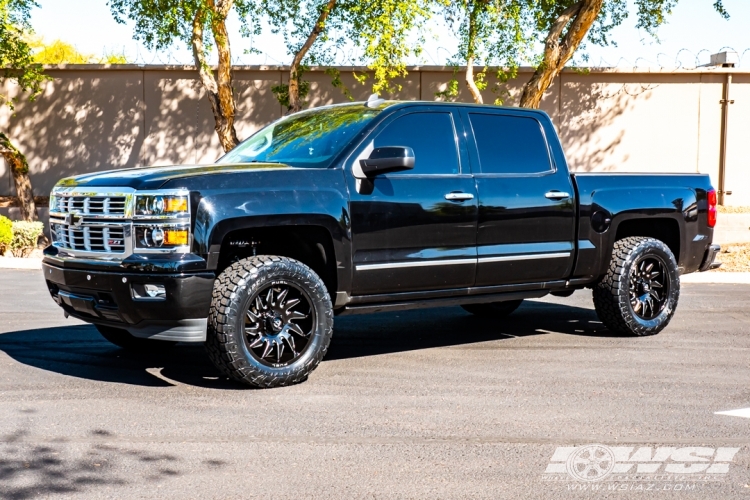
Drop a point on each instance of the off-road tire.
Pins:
(493, 309)
(122, 338)
(612, 294)
(225, 341)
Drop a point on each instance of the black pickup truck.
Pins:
(360, 208)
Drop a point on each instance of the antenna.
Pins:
(374, 101)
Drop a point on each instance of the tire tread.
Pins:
(221, 344)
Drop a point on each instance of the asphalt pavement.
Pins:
(419, 404)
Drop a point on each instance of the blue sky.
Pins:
(694, 31)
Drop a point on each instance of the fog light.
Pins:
(155, 291)
(148, 291)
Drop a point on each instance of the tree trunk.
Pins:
(559, 48)
(218, 90)
(295, 103)
(471, 83)
(470, 50)
(19, 167)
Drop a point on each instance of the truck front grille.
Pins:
(90, 238)
(92, 205)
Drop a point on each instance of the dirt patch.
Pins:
(735, 257)
(733, 210)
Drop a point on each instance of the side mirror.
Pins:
(388, 159)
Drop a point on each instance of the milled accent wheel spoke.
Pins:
(256, 343)
(288, 306)
(296, 329)
(290, 341)
(269, 345)
(297, 315)
(279, 350)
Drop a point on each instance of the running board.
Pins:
(442, 302)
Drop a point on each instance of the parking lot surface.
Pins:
(418, 404)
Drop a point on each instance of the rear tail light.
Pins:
(711, 208)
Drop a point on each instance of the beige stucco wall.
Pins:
(94, 118)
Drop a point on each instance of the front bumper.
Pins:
(708, 259)
(107, 298)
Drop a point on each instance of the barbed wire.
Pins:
(685, 59)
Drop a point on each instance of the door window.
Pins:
(431, 135)
(510, 144)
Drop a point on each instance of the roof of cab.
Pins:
(393, 104)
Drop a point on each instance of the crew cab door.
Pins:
(414, 230)
(526, 219)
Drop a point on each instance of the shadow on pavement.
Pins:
(40, 470)
(80, 351)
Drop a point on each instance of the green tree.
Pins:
(199, 24)
(491, 32)
(60, 52)
(566, 24)
(17, 59)
(313, 29)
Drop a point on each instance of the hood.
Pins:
(143, 178)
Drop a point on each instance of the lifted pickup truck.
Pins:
(360, 208)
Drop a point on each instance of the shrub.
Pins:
(6, 234)
(25, 236)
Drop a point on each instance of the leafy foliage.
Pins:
(489, 32)
(25, 237)
(60, 52)
(6, 234)
(319, 30)
(160, 23)
(16, 56)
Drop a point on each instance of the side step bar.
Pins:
(443, 302)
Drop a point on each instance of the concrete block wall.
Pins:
(94, 118)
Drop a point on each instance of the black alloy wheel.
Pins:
(639, 293)
(270, 321)
(649, 287)
(278, 324)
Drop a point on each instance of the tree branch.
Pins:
(559, 48)
(295, 103)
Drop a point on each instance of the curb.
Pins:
(20, 263)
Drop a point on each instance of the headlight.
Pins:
(161, 205)
(161, 236)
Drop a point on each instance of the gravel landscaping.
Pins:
(735, 257)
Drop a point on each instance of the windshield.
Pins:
(306, 140)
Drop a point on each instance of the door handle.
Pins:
(556, 195)
(456, 196)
